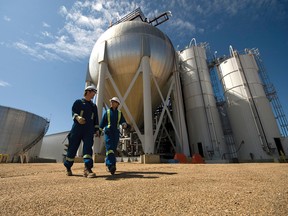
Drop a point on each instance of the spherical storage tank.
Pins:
(18, 129)
(126, 44)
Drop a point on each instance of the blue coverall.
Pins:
(84, 132)
(110, 125)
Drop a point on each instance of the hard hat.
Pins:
(91, 88)
(116, 99)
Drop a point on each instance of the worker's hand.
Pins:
(97, 134)
(124, 125)
(80, 120)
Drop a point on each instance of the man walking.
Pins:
(85, 126)
(110, 123)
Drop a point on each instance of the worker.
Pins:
(85, 127)
(109, 124)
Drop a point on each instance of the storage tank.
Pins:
(203, 121)
(20, 129)
(125, 45)
(53, 146)
(250, 113)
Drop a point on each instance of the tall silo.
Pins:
(250, 113)
(21, 132)
(203, 121)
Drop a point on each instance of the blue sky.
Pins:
(45, 45)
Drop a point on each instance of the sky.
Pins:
(45, 45)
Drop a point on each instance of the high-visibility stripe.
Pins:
(109, 118)
(81, 113)
(119, 117)
(70, 159)
(87, 156)
(109, 152)
(92, 116)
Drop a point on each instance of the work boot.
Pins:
(112, 169)
(69, 172)
(88, 173)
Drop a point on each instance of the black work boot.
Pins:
(112, 169)
(69, 172)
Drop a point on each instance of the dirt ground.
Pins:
(145, 189)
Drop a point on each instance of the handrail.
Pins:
(36, 140)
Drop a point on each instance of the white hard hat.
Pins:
(91, 88)
(116, 99)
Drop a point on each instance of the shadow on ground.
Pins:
(135, 174)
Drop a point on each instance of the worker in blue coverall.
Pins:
(85, 127)
(109, 124)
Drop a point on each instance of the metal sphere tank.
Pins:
(126, 44)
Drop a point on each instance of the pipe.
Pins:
(193, 39)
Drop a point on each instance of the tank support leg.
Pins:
(148, 126)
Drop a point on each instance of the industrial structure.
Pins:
(21, 135)
(187, 101)
(169, 96)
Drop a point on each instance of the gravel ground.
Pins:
(145, 189)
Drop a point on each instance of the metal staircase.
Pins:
(271, 93)
(213, 63)
(23, 152)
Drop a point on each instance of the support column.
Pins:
(179, 116)
(147, 103)
(98, 141)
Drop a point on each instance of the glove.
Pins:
(80, 120)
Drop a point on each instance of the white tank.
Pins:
(126, 44)
(250, 114)
(20, 129)
(203, 121)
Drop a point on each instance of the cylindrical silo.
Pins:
(250, 114)
(203, 121)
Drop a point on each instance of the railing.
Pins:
(36, 140)
(131, 16)
(271, 93)
(163, 17)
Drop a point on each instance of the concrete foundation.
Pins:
(150, 159)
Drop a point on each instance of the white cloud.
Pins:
(47, 34)
(46, 25)
(63, 11)
(36, 52)
(97, 6)
(22, 46)
(181, 24)
(4, 84)
(85, 21)
(6, 18)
